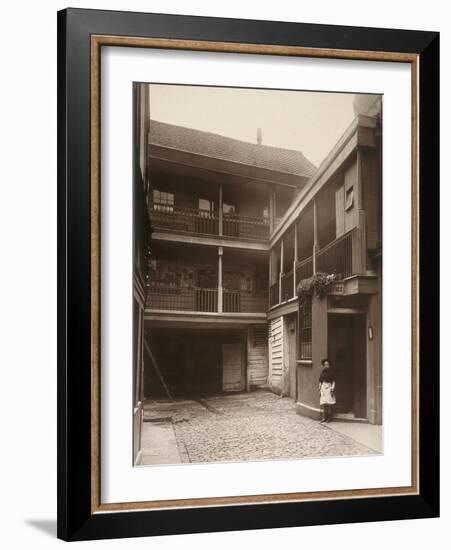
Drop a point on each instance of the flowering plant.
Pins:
(316, 284)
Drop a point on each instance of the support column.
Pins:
(141, 356)
(360, 246)
(295, 261)
(281, 271)
(315, 234)
(220, 211)
(272, 211)
(220, 253)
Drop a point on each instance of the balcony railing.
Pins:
(203, 222)
(336, 257)
(176, 298)
(207, 299)
(239, 301)
(340, 256)
(188, 220)
(304, 269)
(287, 285)
(246, 227)
(274, 294)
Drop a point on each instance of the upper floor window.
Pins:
(206, 205)
(228, 209)
(163, 201)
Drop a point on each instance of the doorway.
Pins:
(347, 354)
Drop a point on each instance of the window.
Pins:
(207, 278)
(164, 275)
(228, 209)
(206, 205)
(163, 201)
(305, 330)
(259, 337)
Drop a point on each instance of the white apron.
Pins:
(327, 397)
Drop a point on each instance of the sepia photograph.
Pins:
(257, 274)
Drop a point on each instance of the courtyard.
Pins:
(246, 426)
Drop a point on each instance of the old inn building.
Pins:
(236, 227)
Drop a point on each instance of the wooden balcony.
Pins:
(337, 257)
(287, 286)
(202, 222)
(304, 269)
(188, 220)
(274, 294)
(239, 301)
(175, 298)
(342, 256)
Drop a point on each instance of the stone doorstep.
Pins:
(348, 418)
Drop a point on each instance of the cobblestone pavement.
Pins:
(255, 426)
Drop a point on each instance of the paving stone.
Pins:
(255, 426)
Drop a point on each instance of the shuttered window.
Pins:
(259, 336)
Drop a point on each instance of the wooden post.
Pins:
(359, 251)
(272, 211)
(220, 211)
(295, 260)
(281, 271)
(315, 234)
(220, 253)
(141, 358)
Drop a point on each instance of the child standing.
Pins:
(327, 390)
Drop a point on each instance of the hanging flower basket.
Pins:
(316, 284)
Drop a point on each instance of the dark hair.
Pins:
(326, 360)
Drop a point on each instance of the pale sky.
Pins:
(311, 122)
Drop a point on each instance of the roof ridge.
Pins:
(232, 138)
(201, 142)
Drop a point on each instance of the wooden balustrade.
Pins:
(190, 220)
(207, 300)
(203, 222)
(336, 257)
(304, 269)
(254, 302)
(245, 227)
(287, 285)
(171, 297)
(231, 301)
(274, 294)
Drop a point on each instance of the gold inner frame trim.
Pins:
(97, 41)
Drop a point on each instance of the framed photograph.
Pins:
(248, 274)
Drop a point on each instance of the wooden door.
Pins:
(232, 378)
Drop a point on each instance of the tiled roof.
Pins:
(212, 145)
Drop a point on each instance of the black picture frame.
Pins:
(76, 520)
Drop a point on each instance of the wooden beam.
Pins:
(157, 370)
(315, 234)
(220, 211)
(295, 256)
(232, 242)
(281, 270)
(220, 295)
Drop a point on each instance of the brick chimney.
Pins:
(259, 136)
